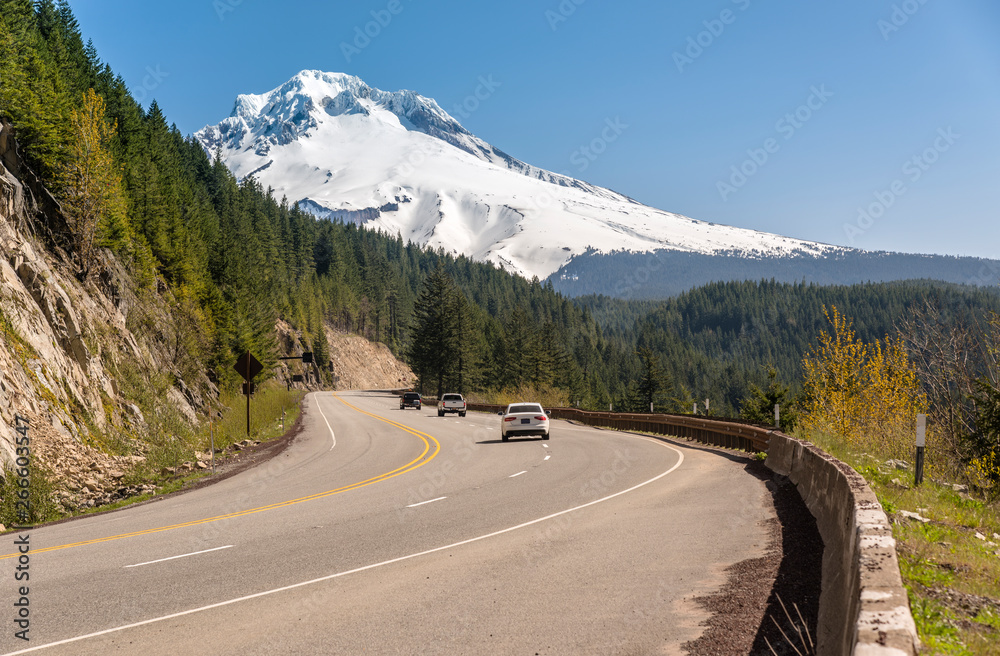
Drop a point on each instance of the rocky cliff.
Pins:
(77, 358)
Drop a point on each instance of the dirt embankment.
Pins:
(361, 364)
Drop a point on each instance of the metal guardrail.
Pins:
(730, 434)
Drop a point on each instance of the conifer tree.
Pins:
(432, 330)
(654, 382)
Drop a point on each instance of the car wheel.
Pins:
(503, 437)
(440, 414)
(545, 437)
(461, 414)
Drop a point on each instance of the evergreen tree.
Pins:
(433, 333)
(758, 406)
(654, 382)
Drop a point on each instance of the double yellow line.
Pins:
(429, 444)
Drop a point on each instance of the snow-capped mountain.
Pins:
(398, 162)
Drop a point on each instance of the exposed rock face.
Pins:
(361, 364)
(64, 344)
(357, 362)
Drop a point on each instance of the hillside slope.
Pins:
(100, 368)
(82, 361)
(362, 364)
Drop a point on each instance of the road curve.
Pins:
(386, 531)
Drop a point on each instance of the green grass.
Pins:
(939, 557)
(266, 408)
(937, 627)
(171, 442)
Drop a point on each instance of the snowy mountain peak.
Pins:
(396, 161)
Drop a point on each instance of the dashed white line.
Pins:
(330, 577)
(228, 546)
(545, 446)
(414, 505)
(518, 474)
(547, 457)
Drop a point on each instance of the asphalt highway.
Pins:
(381, 531)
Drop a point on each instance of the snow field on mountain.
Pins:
(399, 163)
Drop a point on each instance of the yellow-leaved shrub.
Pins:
(866, 393)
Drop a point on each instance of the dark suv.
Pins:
(409, 400)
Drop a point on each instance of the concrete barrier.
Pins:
(863, 607)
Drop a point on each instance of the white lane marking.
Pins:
(414, 505)
(545, 446)
(518, 474)
(150, 562)
(365, 568)
(333, 437)
(547, 457)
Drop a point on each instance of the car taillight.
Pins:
(541, 417)
(510, 418)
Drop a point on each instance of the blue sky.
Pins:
(866, 123)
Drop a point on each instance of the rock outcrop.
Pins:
(66, 345)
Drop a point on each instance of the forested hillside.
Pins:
(717, 340)
(666, 273)
(235, 258)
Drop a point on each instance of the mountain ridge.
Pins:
(398, 162)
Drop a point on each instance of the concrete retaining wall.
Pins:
(863, 607)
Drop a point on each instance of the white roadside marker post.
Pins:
(777, 416)
(921, 441)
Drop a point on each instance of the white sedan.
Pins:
(524, 419)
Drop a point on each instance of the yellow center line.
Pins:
(419, 461)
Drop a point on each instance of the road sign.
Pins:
(248, 366)
(249, 389)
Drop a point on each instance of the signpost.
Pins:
(248, 367)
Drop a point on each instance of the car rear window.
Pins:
(452, 397)
(410, 396)
(514, 409)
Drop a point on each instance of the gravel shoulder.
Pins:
(769, 605)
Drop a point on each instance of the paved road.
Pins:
(398, 532)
